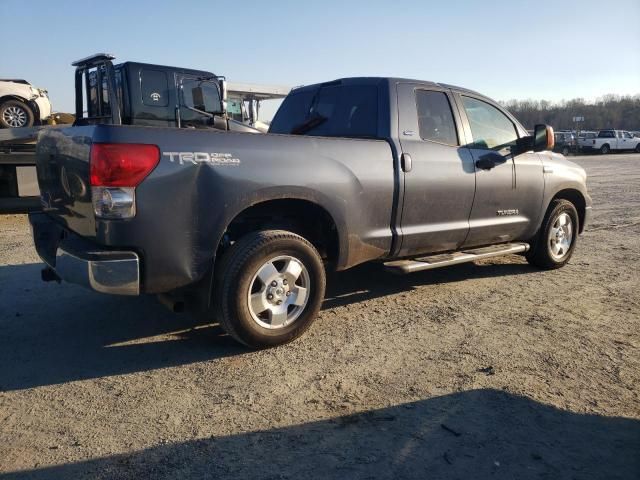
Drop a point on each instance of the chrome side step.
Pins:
(446, 259)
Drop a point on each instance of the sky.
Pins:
(505, 49)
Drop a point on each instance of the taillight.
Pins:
(122, 164)
(115, 169)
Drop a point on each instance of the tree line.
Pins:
(610, 111)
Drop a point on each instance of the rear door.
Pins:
(439, 185)
(508, 199)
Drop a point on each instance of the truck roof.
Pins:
(390, 80)
(15, 80)
(165, 67)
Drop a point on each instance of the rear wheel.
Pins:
(269, 288)
(557, 237)
(604, 149)
(565, 151)
(15, 114)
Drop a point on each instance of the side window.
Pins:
(154, 87)
(491, 129)
(435, 118)
(627, 135)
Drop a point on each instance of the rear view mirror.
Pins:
(543, 138)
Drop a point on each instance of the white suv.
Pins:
(22, 105)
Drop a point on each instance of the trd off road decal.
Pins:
(216, 158)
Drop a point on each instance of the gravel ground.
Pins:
(485, 369)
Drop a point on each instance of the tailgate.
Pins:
(62, 160)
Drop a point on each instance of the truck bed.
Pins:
(199, 195)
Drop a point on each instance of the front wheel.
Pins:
(269, 287)
(565, 151)
(557, 237)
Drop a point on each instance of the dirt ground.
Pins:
(491, 369)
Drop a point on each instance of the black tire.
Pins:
(541, 254)
(637, 149)
(16, 114)
(604, 149)
(565, 151)
(237, 273)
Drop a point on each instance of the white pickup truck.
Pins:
(613, 140)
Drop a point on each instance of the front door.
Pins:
(508, 199)
(440, 183)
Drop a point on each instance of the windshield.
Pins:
(201, 95)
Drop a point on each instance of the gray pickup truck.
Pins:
(414, 174)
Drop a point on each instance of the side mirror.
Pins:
(543, 138)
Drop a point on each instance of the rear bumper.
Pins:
(75, 260)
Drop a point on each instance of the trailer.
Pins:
(19, 191)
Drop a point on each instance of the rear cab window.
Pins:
(331, 110)
(606, 134)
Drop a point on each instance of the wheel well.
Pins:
(575, 197)
(303, 217)
(13, 97)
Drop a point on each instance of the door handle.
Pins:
(406, 162)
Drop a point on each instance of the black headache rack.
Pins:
(100, 109)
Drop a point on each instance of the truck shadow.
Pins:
(369, 281)
(474, 434)
(52, 333)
